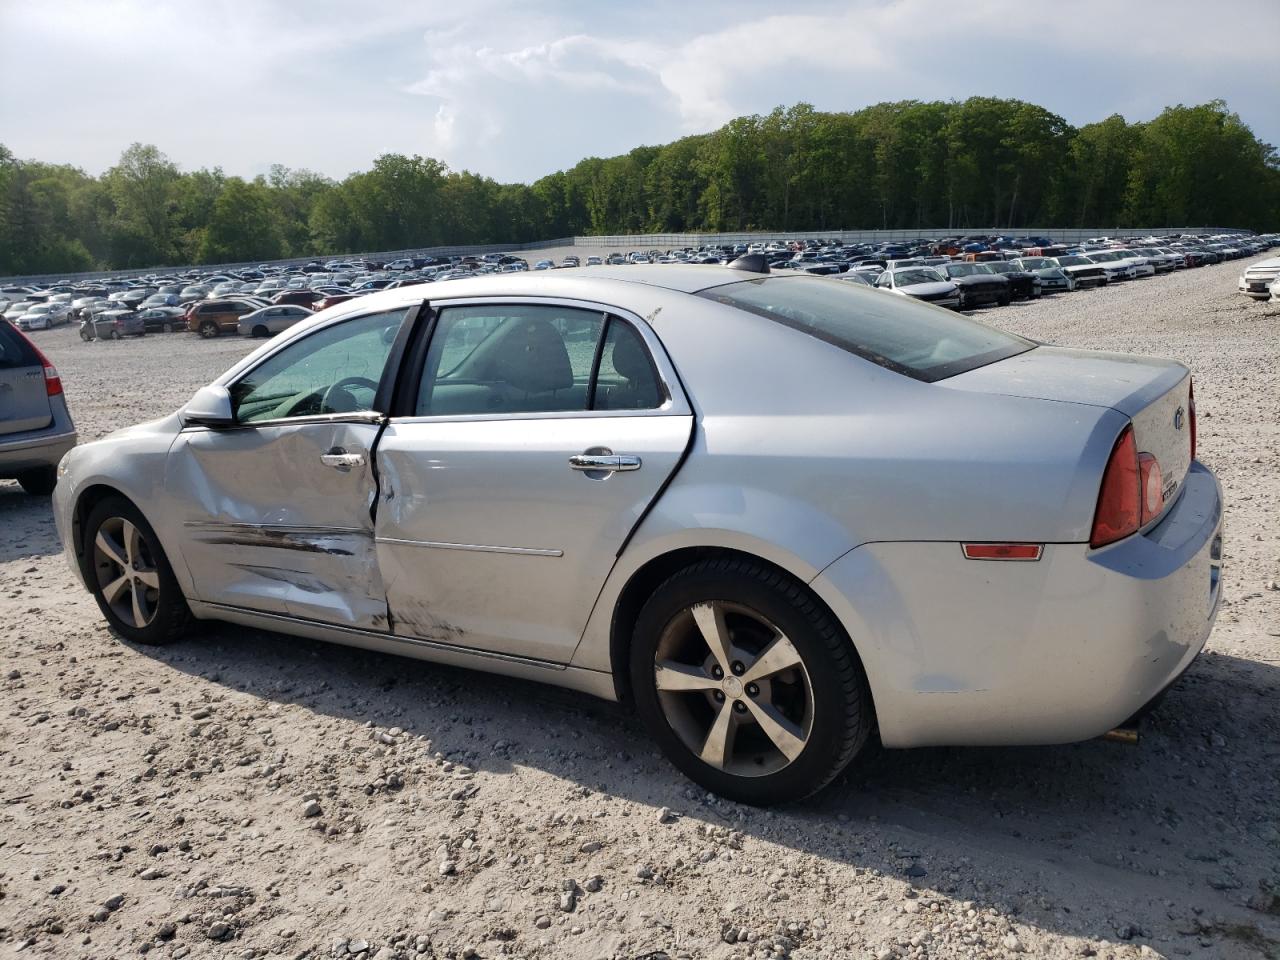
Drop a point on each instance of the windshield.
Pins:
(907, 278)
(966, 269)
(1037, 263)
(898, 333)
(999, 267)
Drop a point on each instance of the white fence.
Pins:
(649, 241)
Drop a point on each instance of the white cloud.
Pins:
(516, 91)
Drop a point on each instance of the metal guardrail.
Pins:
(668, 240)
(646, 241)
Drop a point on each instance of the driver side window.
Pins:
(334, 370)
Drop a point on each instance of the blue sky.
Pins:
(516, 91)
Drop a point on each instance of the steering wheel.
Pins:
(338, 399)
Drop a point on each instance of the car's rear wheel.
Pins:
(130, 575)
(208, 329)
(747, 683)
(115, 334)
(260, 331)
(166, 328)
(84, 335)
(39, 482)
(1006, 299)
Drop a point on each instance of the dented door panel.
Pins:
(489, 538)
(267, 525)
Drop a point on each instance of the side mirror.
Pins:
(210, 407)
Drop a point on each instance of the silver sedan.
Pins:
(775, 512)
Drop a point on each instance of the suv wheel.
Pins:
(749, 686)
(209, 329)
(130, 575)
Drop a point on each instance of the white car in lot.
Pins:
(43, 316)
(1117, 267)
(1258, 278)
(271, 320)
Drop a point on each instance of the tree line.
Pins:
(980, 162)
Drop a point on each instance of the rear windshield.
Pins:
(14, 350)
(896, 332)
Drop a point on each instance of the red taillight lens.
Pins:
(1152, 487)
(1119, 511)
(52, 382)
(1191, 416)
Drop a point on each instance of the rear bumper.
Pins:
(1062, 649)
(28, 451)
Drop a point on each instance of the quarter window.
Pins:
(627, 379)
(335, 370)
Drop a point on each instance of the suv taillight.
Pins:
(52, 382)
(1191, 416)
(1119, 511)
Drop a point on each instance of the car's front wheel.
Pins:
(747, 683)
(130, 575)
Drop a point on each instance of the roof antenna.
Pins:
(751, 263)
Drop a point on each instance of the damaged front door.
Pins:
(279, 507)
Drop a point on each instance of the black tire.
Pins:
(40, 481)
(1006, 300)
(841, 712)
(209, 329)
(964, 301)
(261, 332)
(166, 328)
(172, 616)
(115, 334)
(85, 336)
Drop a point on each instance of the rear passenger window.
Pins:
(627, 379)
(509, 358)
(14, 351)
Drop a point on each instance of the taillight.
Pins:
(52, 382)
(1191, 416)
(1119, 511)
(1152, 487)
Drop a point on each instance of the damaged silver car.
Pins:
(776, 512)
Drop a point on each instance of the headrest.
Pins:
(532, 357)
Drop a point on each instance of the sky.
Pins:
(515, 91)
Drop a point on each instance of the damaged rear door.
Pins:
(279, 507)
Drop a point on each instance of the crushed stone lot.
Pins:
(246, 794)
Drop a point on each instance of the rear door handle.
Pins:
(611, 462)
(339, 459)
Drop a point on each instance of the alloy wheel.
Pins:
(734, 689)
(126, 571)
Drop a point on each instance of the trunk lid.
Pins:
(1153, 393)
(24, 399)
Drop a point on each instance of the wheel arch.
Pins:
(86, 500)
(649, 576)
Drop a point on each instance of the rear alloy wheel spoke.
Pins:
(139, 617)
(710, 620)
(780, 655)
(111, 550)
(785, 736)
(149, 578)
(718, 746)
(679, 677)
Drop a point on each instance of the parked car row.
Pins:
(958, 272)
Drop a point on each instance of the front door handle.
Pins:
(339, 459)
(609, 462)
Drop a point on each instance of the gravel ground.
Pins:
(247, 794)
